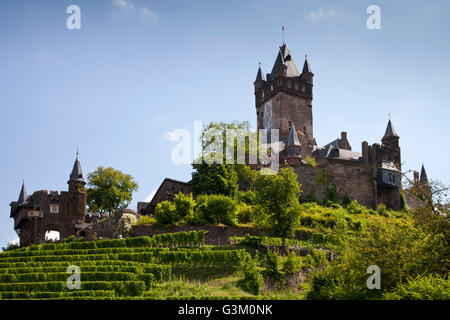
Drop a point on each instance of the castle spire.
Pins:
(260, 75)
(293, 137)
(390, 132)
(77, 174)
(423, 175)
(23, 193)
(306, 68)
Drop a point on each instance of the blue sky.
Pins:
(139, 69)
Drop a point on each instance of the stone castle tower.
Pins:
(283, 99)
(43, 211)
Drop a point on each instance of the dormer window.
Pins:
(54, 208)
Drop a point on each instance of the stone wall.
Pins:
(217, 235)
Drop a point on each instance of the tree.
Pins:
(219, 171)
(277, 199)
(109, 189)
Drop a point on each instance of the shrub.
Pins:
(245, 213)
(272, 265)
(166, 213)
(345, 201)
(253, 280)
(310, 161)
(216, 209)
(125, 224)
(248, 197)
(421, 288)
(184, 205)
(355, 208)
(293, 264)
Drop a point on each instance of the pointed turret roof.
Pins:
(77, 174)
(390, 132)
(284, 57)
(293, 137)
(260, 75)
(306, 68)
(423, 175)
(23, 194)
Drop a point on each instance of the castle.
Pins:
(283, 100)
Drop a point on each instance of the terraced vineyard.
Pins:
(131, 268)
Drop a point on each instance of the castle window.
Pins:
(303, 89)
(296, 86)
(262, 95)
(358, 173)
(271, 88)
(54, 208)
(304, 129)
(289, 84)
(280, 83)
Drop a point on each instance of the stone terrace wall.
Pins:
(217, 235)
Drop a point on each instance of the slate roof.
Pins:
(390, 132)
(23, 194)
(332, 151)
(306, 68)
(423, 175)
(77, 174)
(260, 75)
(284, 57)
(292, 137)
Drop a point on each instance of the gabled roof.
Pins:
(284, 57)
(292, 137)
(390, 132)
(77, 174)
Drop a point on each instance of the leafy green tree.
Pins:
(214, 179)
(109, 189)
(277, 200)
(219, 172)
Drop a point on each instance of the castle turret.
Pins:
(260, 80)
(390, 142)
(76, 199)
(23, 194)
(307, 75)
(293, 147)
(423, 176)
(76, 181)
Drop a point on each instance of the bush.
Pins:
(355, 208)
(166, 213)
(421, 288)
(253, 280)
(125, 224)
(310, 161)
(272, 265)
(247, 197)
(245, 213)
(216, 209)
(184, 205)
(293, 264)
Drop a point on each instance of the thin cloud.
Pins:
(129, 7)
(322, 14)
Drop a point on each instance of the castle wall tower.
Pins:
(76, 198)
(285, 95)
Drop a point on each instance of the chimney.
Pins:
(343, 135)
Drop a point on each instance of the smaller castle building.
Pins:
(63, 212)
